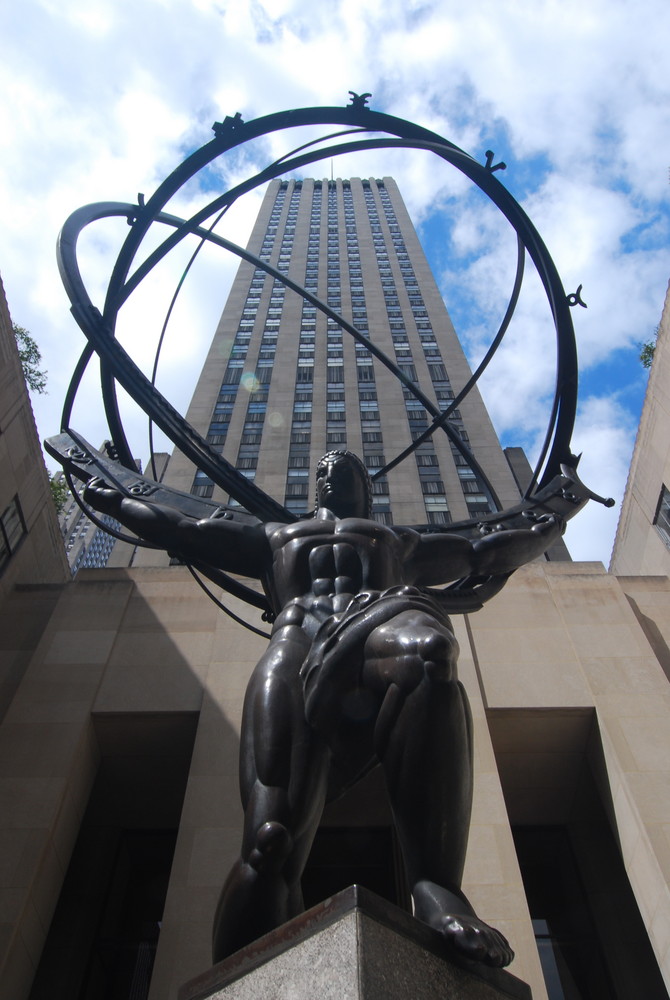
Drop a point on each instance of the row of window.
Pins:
(474, 493)
(296, 491)
(234, 375)
(373, 454)
(435, 501)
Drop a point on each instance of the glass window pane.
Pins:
(12, 523)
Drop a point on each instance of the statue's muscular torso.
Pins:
(320, 564)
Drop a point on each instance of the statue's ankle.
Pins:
(432, 900)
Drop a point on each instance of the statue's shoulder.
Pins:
(279, 533)
(390, 536)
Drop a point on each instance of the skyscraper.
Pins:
(283, 383)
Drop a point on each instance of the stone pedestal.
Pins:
(353, 946)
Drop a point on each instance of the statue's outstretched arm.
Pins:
(502, 551)
(441, 558)
(228, 545)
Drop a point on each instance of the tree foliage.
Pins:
(647, 349)
(647, 353)
(31, 359)
(59, 493)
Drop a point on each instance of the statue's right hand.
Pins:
(98, 492)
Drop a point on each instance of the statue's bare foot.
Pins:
(463, 931)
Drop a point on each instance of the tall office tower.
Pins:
(283, 383)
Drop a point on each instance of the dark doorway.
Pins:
(104, 933)
(565, 933)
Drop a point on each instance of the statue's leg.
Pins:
(283, 778)
(423, 738)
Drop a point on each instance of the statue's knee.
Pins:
(272, 847)
(439, 654)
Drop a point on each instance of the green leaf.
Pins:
(30, 358)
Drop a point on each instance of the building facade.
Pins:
(119, 812)
(283, 383)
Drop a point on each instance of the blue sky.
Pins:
(102, 98)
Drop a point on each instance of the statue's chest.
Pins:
(356, 532)
(331, 557)
(336, 568)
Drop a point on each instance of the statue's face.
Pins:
(340, 487)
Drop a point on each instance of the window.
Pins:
(662, 518)
(202, 485)
(12, 530)
(471, 486)
(380, 488)
(296, 506)
(438, 516)
(436, 503)
(382, 516)
(479, 507)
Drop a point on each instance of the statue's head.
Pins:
(343, 485)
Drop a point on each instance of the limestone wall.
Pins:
(39, 555)
(639, 547)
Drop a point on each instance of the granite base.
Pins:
(353, 946)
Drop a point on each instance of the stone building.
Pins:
(642, 544)
(122, 689)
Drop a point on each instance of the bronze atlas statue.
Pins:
(360, 667)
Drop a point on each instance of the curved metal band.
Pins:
(134, 381)
(564, 407)
(116, 364)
